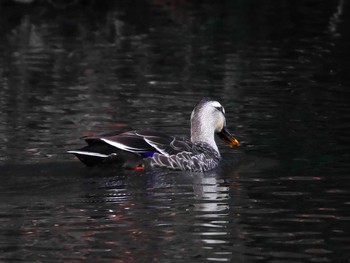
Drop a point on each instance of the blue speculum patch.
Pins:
(148, 154)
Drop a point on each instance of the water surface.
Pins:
(279, 69)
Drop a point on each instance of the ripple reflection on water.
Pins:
(282, 196)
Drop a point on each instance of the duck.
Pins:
(145, 149)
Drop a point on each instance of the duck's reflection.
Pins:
(215, 221)
(161, 213)
(210, 193)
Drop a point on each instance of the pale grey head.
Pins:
(208, 119)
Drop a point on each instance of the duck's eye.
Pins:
(220, 108)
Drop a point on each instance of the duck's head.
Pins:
(207, 119)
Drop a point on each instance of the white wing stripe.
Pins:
(89, 154)
(121, 146)
(155, 146)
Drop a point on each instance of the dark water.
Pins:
(281, 70)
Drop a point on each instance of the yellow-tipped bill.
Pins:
(227, 137)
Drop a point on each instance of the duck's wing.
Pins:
(108, 146)
(165, 144)
(144, 143)
(132, 141)
(147, 143)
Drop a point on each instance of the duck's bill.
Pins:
(227, 137)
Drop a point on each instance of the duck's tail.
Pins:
(89, 158)
(93, 156)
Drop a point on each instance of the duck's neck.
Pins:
(203, 133)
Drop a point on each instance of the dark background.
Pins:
(280, 69)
